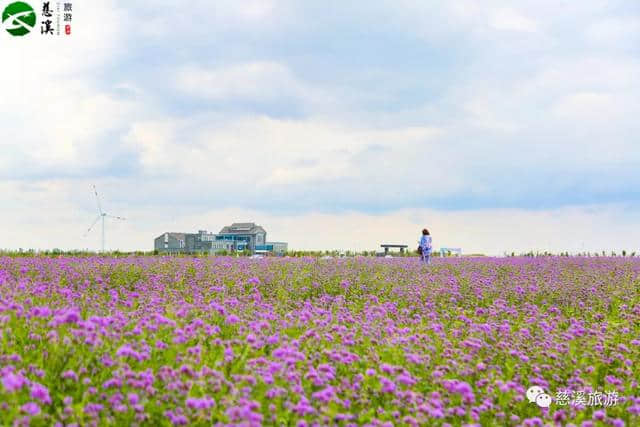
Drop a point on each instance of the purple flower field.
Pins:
(307, 341)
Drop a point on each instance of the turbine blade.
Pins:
(97, 199)
(115, 217)
(89, 229)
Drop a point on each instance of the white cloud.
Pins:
(586, 106)
(485, 21)
(202, 18)
(511, 20)
(267, 151)
(255, 10)
(158, 144)
(583, 73)
(58, 127)
(615, 32)
(257, 81)
(484, 115)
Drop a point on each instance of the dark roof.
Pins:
(179, 236)
(242, 228)
(387, 245)
(243, 224)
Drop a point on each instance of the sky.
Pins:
(501, 126)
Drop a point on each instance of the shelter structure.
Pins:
(387, 246)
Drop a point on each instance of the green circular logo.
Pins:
(18, 18)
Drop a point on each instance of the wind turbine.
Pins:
(101, 216)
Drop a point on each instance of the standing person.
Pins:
(425, 245)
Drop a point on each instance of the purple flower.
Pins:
(406, 379)
(176, 419)
(12, 382)
(200, 403)
(559, 416)
(31, 408)
(40, 392)
(325, 395)
(71, 316)
(599, 415)
(232, 319)
(388, 386)
(70, 375)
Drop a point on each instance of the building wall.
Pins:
(279, 247)
(241, 240)
(168, 242)
(158, 243)
(202, 241)
(221, 245)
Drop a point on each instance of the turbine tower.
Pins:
(101, 216)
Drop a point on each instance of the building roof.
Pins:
(179, 236)
(242, 228)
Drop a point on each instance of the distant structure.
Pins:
(237, 237)
(446, 251)
(101, 216)
(387, 246)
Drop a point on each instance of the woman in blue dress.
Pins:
(425, 246)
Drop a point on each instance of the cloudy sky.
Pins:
(500, 125)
